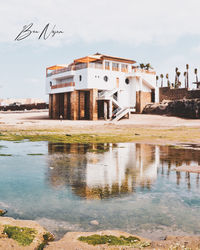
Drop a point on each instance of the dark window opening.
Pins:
(105, 78)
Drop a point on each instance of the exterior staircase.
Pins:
(119, 111)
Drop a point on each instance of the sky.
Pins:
(163, 33)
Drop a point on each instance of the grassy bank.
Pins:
(105, 135)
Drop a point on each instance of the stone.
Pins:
(2, 212)
(94, 222)
(187, 108)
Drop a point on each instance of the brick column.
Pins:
(50, 106)
(65, 106)
(82, 104)
(55, 106)
(93, 104)
(74, 105)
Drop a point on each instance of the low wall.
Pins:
(24, 107)
(167, 93)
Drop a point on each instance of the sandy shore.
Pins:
(39, 119)
(36, 125)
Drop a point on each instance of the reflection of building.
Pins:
(115, 171)
(171, 157)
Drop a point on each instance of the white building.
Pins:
(99, 86)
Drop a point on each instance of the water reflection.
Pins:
(98, 171)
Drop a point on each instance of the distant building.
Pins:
(10, 101)
(99, 86)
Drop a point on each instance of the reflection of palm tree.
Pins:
(178, 177)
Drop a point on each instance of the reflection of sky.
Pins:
(163, 206)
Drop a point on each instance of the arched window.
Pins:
(80, 78)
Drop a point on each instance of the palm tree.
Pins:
(195, 71)
(168, 82)
(185, 75)
(142, 65)
(161, 76)
(178, 83)
(176, 70)
(157, 77)
(148, 66)
(187, 68)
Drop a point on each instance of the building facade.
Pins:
(99, 87)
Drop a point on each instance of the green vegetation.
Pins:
(5, 155)
(112, 240)
(110, 134)
(35, 154)
(23, 235)
(46, 238)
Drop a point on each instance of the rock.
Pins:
(94, 222)
(187, 108)
(2, 212)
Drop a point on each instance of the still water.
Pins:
(127, 186)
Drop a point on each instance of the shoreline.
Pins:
(35, 126)
(70, 239)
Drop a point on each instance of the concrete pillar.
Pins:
(110, 109)
(82, 105)
(65, 106)
(74, 105)
(93, 104)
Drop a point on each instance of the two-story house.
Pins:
(99, 86)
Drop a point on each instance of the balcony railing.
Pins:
(138, 70)
(76, 67)
(63, 85)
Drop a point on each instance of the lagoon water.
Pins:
(131, 187)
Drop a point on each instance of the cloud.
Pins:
(128, 21)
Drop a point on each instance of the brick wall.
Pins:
(166, 93)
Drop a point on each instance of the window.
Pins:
(124, 68)
(105, 78)
(80, 78)
(107, 65)
(50, 83)
(127, 81)
(115, 66)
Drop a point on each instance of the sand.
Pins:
(39, 119)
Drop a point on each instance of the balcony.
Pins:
(76, 67)
(63, 85)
